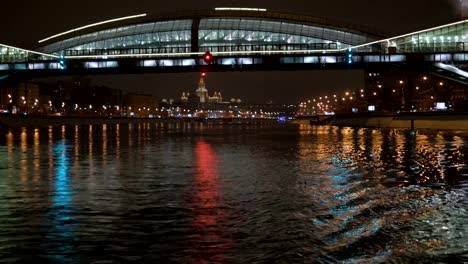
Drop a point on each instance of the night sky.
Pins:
(25, 22)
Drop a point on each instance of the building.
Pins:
(271, 110)
(202, 101)
(21, 97)
(202, 94)
(140, 105)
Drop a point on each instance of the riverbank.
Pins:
(429, 120)
(40, 121)
(43, 121)
(426, 120)
(410, 120)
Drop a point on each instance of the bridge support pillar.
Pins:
(194, 32)
(408, 91)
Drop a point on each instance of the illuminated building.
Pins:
(202, 92)
(202, 96)
(20, 98)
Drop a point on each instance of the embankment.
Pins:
(41, 121)
(45, 121)
(426, 120)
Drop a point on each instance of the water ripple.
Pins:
(240, 193)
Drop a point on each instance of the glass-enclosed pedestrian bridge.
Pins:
(9, 54)
(238, 38)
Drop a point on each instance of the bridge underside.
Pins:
(450, 72)
(398, 62)
(228, 63)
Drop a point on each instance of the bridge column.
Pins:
(408, 89)
(195, 28)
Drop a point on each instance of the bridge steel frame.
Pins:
(193, 63)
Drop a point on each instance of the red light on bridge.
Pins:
(207, 57)
(203, 74)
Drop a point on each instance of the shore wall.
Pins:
(41, 121)
(416, 121)
(45, 121)
(363, 122)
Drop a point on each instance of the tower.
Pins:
(184, 97)
(202, 92)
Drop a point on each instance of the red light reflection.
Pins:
(208, 215)
(207, 196)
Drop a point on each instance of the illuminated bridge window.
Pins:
(230, 31)
(150, 40)
(452, 37)
(243, 32)
(11, 54)
(156, 34)
(259, 40)
(448, 38)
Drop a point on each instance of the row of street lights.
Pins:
(366, 98)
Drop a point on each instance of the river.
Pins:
(232, 193)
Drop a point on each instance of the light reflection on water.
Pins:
(249, 193)
(60, 236)
(207, 207)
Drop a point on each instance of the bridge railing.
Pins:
(431, 47)
(270, 47)
(133, 51)
(181, 50)
(384, 47)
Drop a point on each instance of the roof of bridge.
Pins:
(201, 14)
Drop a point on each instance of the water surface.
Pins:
(238, 193)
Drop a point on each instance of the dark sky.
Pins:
(25, 22)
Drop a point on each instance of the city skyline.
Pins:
(261, 86)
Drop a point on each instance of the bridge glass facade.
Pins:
(12, 55)
(222, 34)
(157, 35)
(449, 38)
(214, 34)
